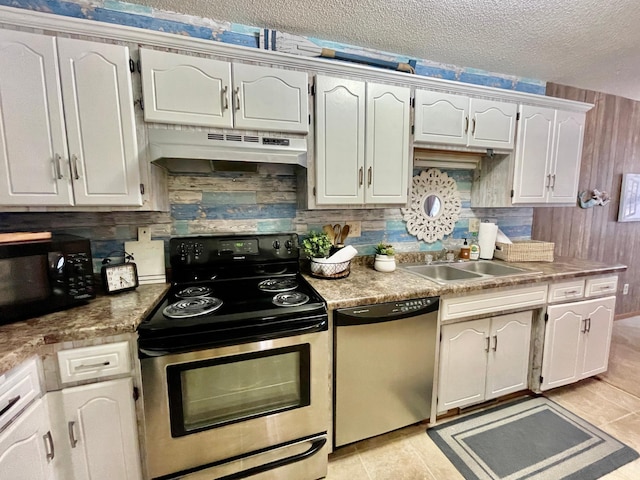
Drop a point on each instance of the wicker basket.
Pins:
(525, 251)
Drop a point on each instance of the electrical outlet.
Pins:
(625, 289)
(355, 227)
(474, 225)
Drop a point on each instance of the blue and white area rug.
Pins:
(533, 438)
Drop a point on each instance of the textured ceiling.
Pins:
(593, 44)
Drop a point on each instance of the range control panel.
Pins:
(210, 250)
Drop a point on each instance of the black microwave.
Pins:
(43, 276)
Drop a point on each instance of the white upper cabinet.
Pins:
(362, 142)
(450, 119)
(67, 134)
(183, 89)
(548, 155)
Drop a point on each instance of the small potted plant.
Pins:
(384, 261)
(317, 245)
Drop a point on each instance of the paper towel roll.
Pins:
(487, 239)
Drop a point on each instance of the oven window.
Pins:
(23, 279)
(212, 393)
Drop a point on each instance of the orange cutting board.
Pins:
(23, 236)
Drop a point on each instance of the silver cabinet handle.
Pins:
(72, 434)
(466, 124)
(91, 366)
(237, 95)
(473, 126)
(588, 324)
(369, 176)
(10, 403)
(361, 176)
(584, 327)
(553, 185)
(58, 167)
(495, 345)
(225, 99)
(548, 181)
(486, 349)
(48, 446)
(571, 292)
(74, 163)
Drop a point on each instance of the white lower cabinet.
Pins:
(577, 341)
(27, 450)
(483, 359)
(99, 425)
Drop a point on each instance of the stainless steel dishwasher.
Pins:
(383, 367)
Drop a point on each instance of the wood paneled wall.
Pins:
(611, 148)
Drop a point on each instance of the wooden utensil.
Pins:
(345, 233)
(328, 229)
(336, 233)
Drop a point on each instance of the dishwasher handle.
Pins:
(386, 312)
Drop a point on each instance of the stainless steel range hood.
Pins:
(193, 151)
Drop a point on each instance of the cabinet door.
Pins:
(26, 449)
(270, 99)
(33, 149)
(463, 363)
(492, 123)
(441, 118)
(186, 90)
(102, 430)
(508, 363)
(98, 106)
(340, 131)
(597, 339)
(387, 144)
(567, 157)
(563, 336)
(533, 155)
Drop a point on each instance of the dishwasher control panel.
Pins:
(391, 310)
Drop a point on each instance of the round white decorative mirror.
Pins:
(435, 206)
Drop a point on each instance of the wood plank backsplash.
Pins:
(611, 148)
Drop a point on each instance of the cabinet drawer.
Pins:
(18, 388)
(561, 292)
(94, 362)
(601, 286)
(485, 303)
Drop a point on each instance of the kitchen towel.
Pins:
(487, 239)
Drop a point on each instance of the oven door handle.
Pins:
(315, 447)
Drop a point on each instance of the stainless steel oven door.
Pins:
(206, 407)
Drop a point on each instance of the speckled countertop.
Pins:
(103, 316)
(109, 315)
(364, 285)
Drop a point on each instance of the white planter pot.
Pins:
(385, 263)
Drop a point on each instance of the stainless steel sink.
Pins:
(490, 268)
(442, 273)
(464, 271)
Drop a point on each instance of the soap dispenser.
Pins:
(465, 250)
(474, 249)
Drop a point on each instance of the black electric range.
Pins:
(229, 290)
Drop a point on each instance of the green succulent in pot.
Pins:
(316, 245)
(384, 249)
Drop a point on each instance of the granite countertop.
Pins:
(103, 316)
(109, 315)
(364, 285)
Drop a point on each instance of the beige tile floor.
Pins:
(409, 454)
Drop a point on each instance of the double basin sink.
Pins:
(464, 271)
